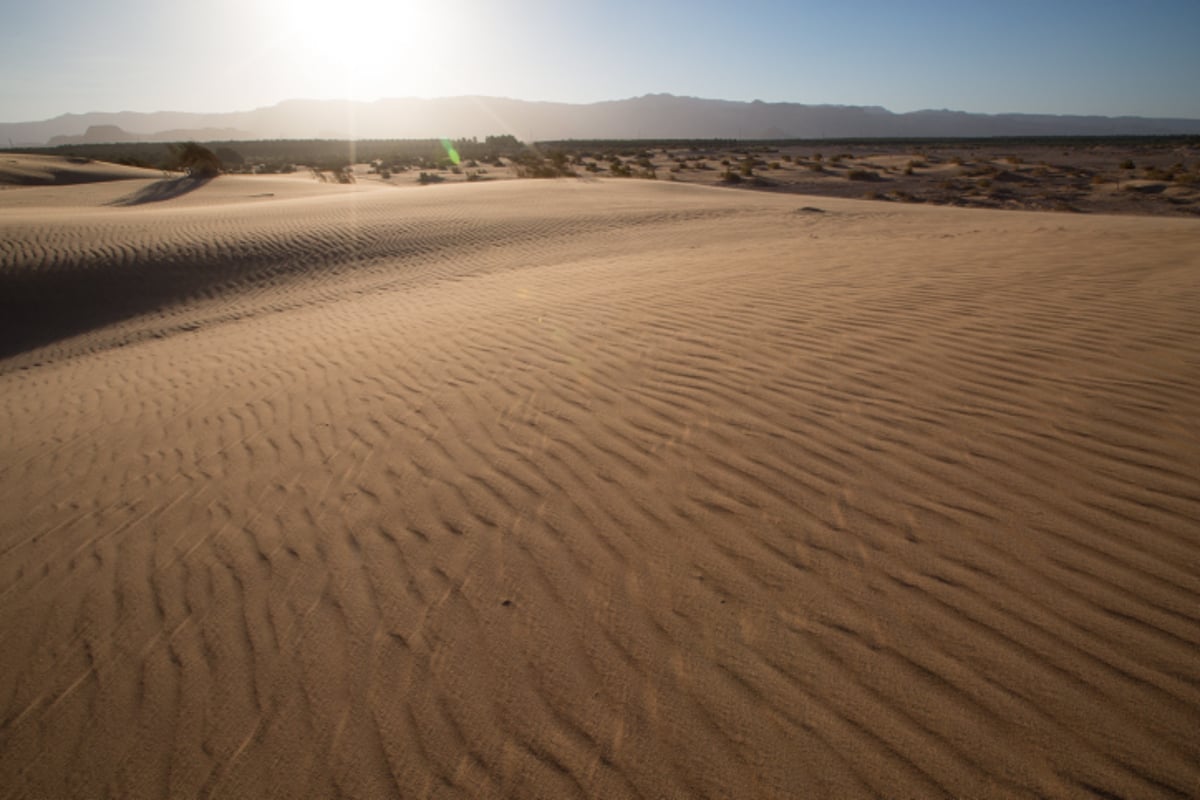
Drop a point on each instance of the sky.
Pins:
(1108, 57)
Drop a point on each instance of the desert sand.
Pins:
(593, 488)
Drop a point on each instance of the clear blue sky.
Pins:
(1110, 57)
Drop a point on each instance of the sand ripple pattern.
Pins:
(603, 490)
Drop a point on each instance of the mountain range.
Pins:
(655, 116)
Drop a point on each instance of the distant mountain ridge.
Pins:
(656, 116)
(108, 134)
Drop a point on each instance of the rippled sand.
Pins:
(593, 489)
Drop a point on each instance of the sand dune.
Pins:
(594, 489)
(23, 169)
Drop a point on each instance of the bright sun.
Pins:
(368, 48)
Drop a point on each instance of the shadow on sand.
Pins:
(166, 189)
(40, 308)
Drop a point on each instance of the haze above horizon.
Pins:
(1108, 57)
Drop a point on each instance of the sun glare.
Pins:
(368, 48)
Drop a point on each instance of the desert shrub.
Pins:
(385, 173)
(984, 183)
(816, 166)
(194, 159)
(1156, 174)
(531, 165)
(775, 165)
(731, 177)
(862, 175)
(426, 178)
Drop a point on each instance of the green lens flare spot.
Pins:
(451, 152)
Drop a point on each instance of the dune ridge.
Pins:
(614, 489)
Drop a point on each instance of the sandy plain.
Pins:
(599, 488)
